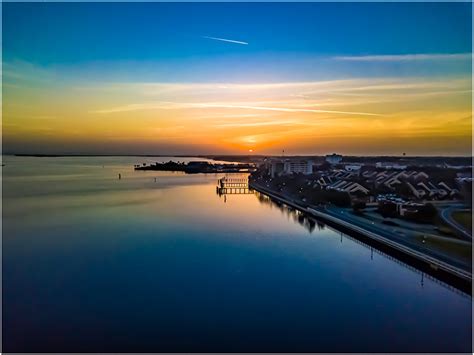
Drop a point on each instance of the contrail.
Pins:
(225, 40)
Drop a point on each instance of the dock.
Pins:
(233, 186)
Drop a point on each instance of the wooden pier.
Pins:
(234, 186)
(233, 182)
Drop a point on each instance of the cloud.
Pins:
(225, 40)
(256, 124)
(131, 107)
(405, 57)
(305, 92)
(286, 109)
(362, 97)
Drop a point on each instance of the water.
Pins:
(93, 264)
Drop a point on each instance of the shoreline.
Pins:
(443, 271)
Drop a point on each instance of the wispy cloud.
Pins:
(405, 57)
(225, 40)
(286, 109)
(256, 124)
(362, 97)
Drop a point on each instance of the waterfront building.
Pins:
(290, 166)
(298, 166)
(276, 168)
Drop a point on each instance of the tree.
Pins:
(424, 214)
(387, 209)
(339, 198)
(358, 206)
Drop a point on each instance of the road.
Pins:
(447, 216)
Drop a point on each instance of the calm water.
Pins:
(93, 263)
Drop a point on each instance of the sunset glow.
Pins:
(315, 103)
(236, 177)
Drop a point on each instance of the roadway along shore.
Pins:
(458, 274)
(447, 215)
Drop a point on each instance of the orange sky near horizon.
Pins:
(371, 116)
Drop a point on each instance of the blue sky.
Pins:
(281, 37)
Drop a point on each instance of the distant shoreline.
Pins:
(237, 155)
(251, 158)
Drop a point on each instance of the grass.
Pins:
(453, 247)
(464, 218)
(446, 231)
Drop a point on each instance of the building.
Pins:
(401, 207)
(290, 166)
(389, 165)
(298, 166)
(409, 208)
(418, 193)
(334, 158)
(276, 168)
(352, 167)
(348, 186)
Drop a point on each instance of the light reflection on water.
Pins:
(93, 263)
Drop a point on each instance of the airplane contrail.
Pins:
(225, 40)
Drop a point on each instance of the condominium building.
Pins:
(290, 166)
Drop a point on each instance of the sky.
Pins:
(237, 78)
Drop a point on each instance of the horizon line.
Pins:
(223, 155)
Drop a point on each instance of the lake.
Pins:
(92, 263)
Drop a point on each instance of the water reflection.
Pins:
(309, 224)
(292, 214)
(159, 261)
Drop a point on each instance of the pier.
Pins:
(233, 186)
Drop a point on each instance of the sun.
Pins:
(250, 150)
